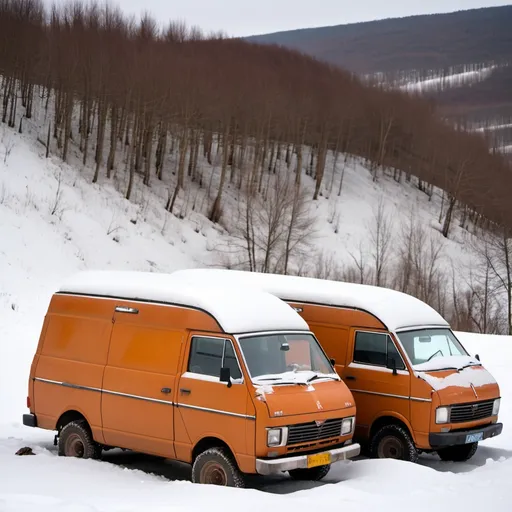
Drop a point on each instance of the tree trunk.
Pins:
(216, 210)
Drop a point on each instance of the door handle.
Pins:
(185, 391)
(166, 390)
(350, 377)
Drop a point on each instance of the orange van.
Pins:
(230, 382)
(416, 387)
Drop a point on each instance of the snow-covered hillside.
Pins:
(423, 81)
(53, 222)
(97, 227)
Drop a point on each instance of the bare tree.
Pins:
(381, 239)
(495, 255)
(272, 230)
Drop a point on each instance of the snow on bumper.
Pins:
(272, 466)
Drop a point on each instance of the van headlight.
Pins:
(442, 415)
(347, 425)
(496, 407)
(277, 436)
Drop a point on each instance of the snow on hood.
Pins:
(283, 399)
(477, 376)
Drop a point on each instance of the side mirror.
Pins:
(477, 357)
(225, 376)
(333, 362)
(392, 365)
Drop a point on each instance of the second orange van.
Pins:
(416, 387)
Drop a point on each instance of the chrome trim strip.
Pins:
(137, 397)
(77, 386)
(379, 394)
(415, 399)
(106, 391)
(216, 411)
(391, 396)
(48, 381)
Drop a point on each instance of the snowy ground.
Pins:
(130, 482)
(94, 227)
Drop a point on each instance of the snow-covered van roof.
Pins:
(394, 309)
(236, 310)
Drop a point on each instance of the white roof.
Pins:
(394, 309)
(236, 310)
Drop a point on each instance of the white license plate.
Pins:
(474, 438)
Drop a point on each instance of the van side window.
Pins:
(377, 350)
(208, 355)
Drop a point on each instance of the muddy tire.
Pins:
(393, 442)
(311, 474)
(216, 466)
(75, 440)
(459, 453)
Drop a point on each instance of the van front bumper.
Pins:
(273, 466)
(444, 439)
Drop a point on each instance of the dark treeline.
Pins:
(150, 91)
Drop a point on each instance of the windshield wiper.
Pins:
(457, 368)
(320, 376)
(279, 381)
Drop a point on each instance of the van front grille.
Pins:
(470, 412)
(313, 431)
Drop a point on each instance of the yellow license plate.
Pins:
(319, 459)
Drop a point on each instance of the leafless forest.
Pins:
(126, 86)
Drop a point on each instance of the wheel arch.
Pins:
(390, 418)
(69, 416)
(207, 442)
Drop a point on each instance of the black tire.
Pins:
(393, 442)
(459, 453)
(216, 466)
(75, 440)
(311, 474)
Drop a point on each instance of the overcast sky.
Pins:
(242, 18)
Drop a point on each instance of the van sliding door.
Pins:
(139, 382)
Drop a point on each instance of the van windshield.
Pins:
(285, 359)
(434, 349)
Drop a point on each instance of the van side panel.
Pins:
(140, 379)
(334, 341)
(33, 366)
(331, 326)
(74, 351)
(337, 316)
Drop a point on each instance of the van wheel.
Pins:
(311, 474)
(459, 453)
(75, 440)
(393, 442)
(216, 466)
